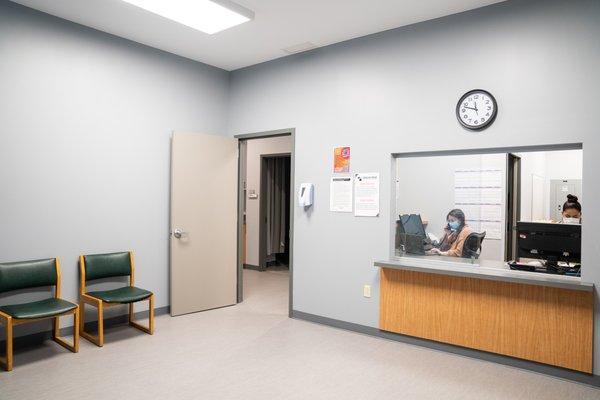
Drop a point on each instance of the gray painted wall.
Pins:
(395, 92)
(85, 124)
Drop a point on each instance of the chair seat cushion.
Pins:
(127, 294)
(38, 309)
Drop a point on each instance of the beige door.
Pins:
(203, 222)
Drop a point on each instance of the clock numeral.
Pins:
(482, 119)
(475, 122)
(487, 102)
(466, 104)
(476, 96)
(465, 116)
(487, 115)
(489, 108)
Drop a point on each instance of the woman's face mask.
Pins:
(453, 225)
(572, 221)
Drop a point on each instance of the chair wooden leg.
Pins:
(7, 360)
(97, 339)
(150, 328)
(56, 333)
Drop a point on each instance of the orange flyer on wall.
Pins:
(341, 159)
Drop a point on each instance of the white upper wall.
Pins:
(396, 92)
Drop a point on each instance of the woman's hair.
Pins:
(459, 215)
(572, 203)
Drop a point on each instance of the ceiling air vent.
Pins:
(299, 48)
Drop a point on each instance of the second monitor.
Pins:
(556, 244)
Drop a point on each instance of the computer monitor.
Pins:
(410, 234)
(411, 224)
(550, 242)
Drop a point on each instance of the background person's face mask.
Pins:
(454, 225)
(567, 220)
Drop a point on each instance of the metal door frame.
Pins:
(242, 139)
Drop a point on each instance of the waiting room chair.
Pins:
(32, 274)
(472, 246)
(99, 266)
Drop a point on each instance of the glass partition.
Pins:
(466, 208)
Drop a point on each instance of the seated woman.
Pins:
(455, 233)
(571, 210)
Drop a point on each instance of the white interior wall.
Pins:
(255, 148)
(566, 164)
(425, 185)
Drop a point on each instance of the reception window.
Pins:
(468, 207)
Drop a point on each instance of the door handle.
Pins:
(178, 233)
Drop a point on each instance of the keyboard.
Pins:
(571, 271)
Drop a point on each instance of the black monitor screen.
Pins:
(412, 224)
(547, 241)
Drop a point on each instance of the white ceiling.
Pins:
(278, 24)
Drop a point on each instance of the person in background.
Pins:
(455, 233)
(571, 210)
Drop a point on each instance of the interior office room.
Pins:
(278, 199)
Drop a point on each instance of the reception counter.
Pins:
(537, 317)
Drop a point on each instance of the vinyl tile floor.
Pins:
(254, 351)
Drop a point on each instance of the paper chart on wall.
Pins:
(479, 193)
(340, 194)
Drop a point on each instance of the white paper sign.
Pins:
(340, 194)
(366, 194)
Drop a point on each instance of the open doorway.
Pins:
(274, 212)
(265, 215)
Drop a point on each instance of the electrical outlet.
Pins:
(367, 291)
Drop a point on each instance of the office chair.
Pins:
(472, 246)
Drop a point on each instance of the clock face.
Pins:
(476, 109)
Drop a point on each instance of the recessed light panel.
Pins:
(204, 15)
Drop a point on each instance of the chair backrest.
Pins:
(98, 266)
(472, 246)
(28, 274)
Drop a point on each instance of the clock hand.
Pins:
(470, 108)
(476, 110)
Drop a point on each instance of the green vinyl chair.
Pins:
(32, 274)
(100, 266)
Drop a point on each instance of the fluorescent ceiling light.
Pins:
(204, 15)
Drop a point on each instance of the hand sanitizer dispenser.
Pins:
(306, 194)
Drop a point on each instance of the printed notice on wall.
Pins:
(366, 194)
(340, 194)
(341, 159)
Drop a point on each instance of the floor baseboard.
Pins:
(579, 377)
(253, 267)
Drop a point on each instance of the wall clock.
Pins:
(476, 109)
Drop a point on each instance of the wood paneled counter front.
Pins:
(532, 316)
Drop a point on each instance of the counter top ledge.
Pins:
(496, 271)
